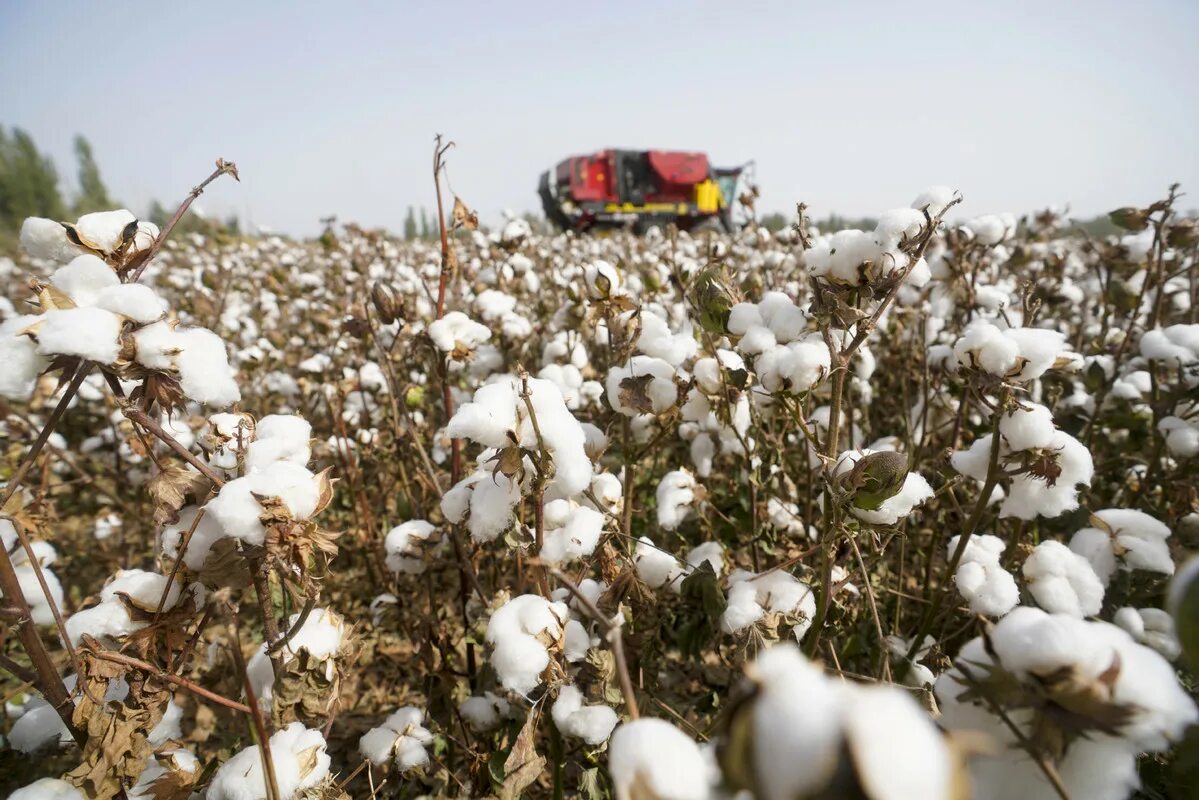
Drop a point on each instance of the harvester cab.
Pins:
(638, 189)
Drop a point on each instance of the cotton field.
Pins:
(892, 513)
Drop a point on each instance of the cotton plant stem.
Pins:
(48, 682)
(136, 415)
(36, 565)
(992, 479)
(183, 683)
(259, 724)
(612, 632)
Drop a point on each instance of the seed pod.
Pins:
(386, 303)
(1183, 233)
(1129, 218)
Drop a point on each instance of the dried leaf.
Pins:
(634, 393)
(171, 489)
(523, 765)
(463, 216)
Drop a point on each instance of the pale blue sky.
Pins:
(853, 107)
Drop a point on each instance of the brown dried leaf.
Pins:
(523, 765)
(172, 488)
(463, 216)
(634, 393)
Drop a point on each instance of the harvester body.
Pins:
(639, 188)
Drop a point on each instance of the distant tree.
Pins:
(28, 181)
(410, 224)
(774, 222)
(93, 195)
(233, 225)
(426, 229)
(157, 213)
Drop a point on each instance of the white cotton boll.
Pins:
(1063, 582)
(159, 766)
(983, 582)
(492, 304)
(106, 621)
(650, 758)
(655, 566)
(135, 301)
(206, 533)
(321, 637)
(85, 279)
(898, 224)
(519, 656)
(491, 503)
(401, 735)
(47, 239)
(752, 596)
(204, 372)
(1038, 350)
(757, 339)
(404, 545)
(1177, 345)
(1136, 541)
(141, 588)
(47, 788)
(90, 333)
(19, 354)
(676, 493)
(657, 340)
(1151, 627)
(1031, 496)
(105, 526)
(157, 345)
(576, 538)
(1027, 426)
(300, 761)
(104, 230)
(935, 199)
(456, 330)
(237, 511)
(577, 641)
(712, 552)
(602, 279)
(897, 750)
(983, 346)
(1182, 436)
(592, 724)
(742, 317)
(488, 417)
(661, 390)
(784, 319)
(484, 713)
(914, 492)
(279, 437)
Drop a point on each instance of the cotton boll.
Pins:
(107, 621)
(897, 750)
(204, 535)
(279, 437)
(983, 582)
(85, 279)
(237, 510)
(676, 493)
(516, 630)
(21, 359)
(602, 279)
(484, 713)
(657, 340)
(1176, 345)
(751, 597)
(47, 788)
(656, 567)
(401, 735)
(711, 552)
(935, 199)
(650, 758)
(104, 230)
(914, 492)
(576, 537)
(1151, 627)
(157, 345)
(1038, 350)
(1128, 539)
(1181, 436)
(47, 239)
(300, 762)
(983, 346)
(134, 301)
(321, 636)
(90, 333)
(405, 545)
(1027, 426)
(457, 331)
(144, 590)
(593, 724)
(660, 389)
(1062, 581)
(1031, 495)
(204, 372)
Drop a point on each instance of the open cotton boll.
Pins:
(47, 788)
(405, 545)
(46, 239)
(711, 552)
(279, 437)
(935, 199)
(1151, 627)
(204, 371)
(1038, 349)
(206, 533)
(657, 340)
(655, 566)
(575, 534)
(650, 758)
(1026, 426)
(676, 492)
(592, 724)
(19, 354)
(1181, 435)
(983, 582)
(1128, 539)
(90, 333)
(660, 390)
(983, 346)
(483, 713)
(602, 279)
(142, 589)
(401, 735)
(914, 492)
(897, 750)
(107, 621)
(751, 597)
(898, 224)
(1031, 495)
(300, 762)
(321, 637)
(1177, 345)
(237, 510)
(1063, 582)
(457, 331)
(134, 301)
(85, 279)
(519, 631)
(160, 767)
(104, 230)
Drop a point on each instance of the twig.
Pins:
(97, 650)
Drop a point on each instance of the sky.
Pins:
(851, 107)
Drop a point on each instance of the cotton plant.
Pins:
(1086, 698)
(317, 644)
(769, 599)
(401, 739)
(1121, 540)
(524, 633)
(592, 724)
(410, 545)
(981, 579)
(26, 573)
(298, 757)
(650, 758)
